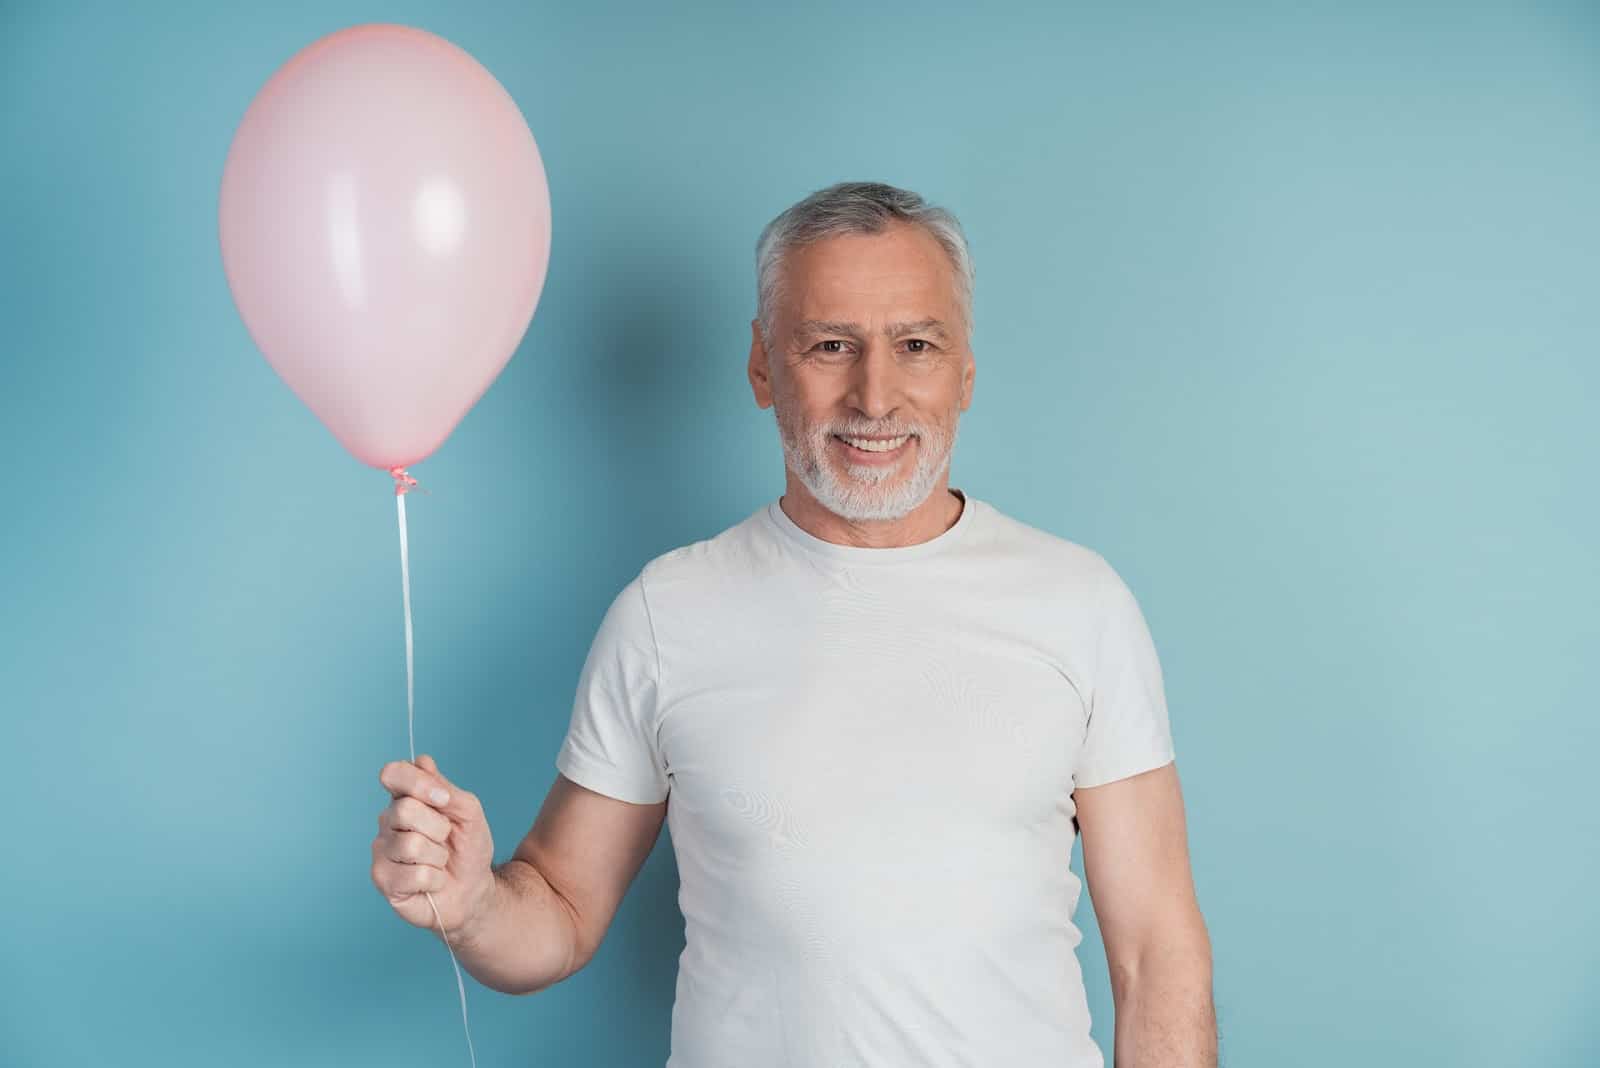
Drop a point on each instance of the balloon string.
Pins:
(403, 483)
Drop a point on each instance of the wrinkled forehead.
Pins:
(880, 281)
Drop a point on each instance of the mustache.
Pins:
(877, 432)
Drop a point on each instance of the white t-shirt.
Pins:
(870, 755)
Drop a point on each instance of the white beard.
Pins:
(861, 492)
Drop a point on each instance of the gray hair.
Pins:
(853, 208)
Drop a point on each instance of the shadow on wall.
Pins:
(652, 312)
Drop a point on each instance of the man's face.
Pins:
(869, 341)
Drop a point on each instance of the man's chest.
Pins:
(854, 737)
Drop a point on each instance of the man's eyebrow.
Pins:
(830, 326)
(826, 326)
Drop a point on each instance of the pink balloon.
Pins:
(385, 228)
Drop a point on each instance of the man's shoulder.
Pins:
(1041, 550)
(716, 556)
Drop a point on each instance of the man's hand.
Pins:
(433, 844)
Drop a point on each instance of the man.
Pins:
(876, 713)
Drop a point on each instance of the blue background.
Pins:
(1292, 314)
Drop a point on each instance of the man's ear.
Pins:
(758, 369)
(967, 380)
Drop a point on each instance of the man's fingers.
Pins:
(420, 878)
(409, 847)
(405, 779)
(409, 814)
(400, 881)
(462, 804)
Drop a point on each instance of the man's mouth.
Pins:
(873, 449)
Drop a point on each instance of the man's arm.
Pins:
(1136, 864)
(556, 897)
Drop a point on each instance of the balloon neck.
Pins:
(403, 482)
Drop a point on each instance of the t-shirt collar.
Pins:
(863, 554)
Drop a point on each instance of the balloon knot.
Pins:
(403, 482)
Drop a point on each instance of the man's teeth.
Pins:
(875, 446)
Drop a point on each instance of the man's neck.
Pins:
(923, 523)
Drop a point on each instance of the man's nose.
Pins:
(875, 383)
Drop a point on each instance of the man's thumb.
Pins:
(425, 762)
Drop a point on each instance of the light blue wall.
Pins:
(1293, 316)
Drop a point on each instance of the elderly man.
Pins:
(876, 712)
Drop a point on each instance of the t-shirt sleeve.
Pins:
(611, 744)
(1128, 730)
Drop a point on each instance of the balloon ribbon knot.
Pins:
(403, 483)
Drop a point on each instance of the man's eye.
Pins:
(834, 345)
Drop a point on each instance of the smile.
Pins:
(874, 452)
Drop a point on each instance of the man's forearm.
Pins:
(527, 939)
(1165, 1017)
